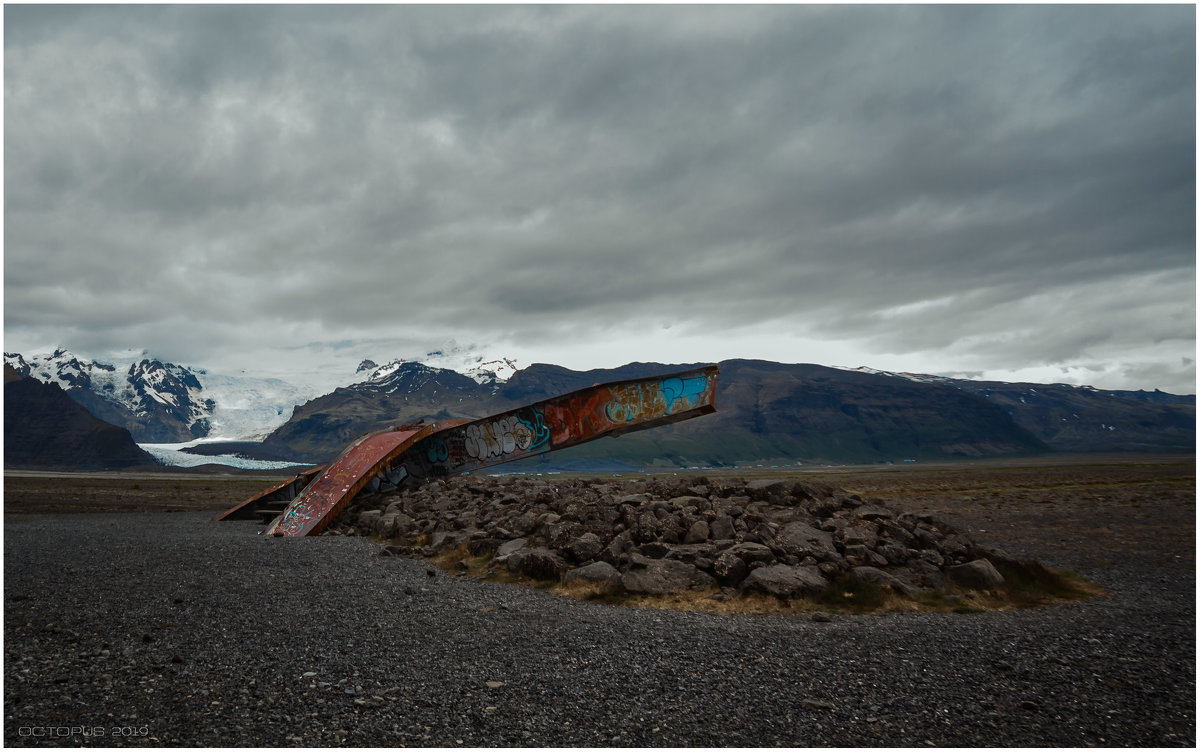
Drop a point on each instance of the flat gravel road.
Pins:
(126, 629)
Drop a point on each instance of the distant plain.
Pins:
(1084, 504)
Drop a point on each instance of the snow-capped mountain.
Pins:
(489, 372)
(399, 392)
(167, 391)
(156, 401)
(165, 403)
(62, 367)
(407, 377)
(493, 370)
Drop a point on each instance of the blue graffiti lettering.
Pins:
(686, 392)
(537, 428)
(437, 451)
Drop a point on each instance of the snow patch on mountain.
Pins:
(922, 378)
(957, 383)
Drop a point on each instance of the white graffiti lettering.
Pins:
(499, 437)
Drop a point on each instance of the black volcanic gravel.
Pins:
(204, 634)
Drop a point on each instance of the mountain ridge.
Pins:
(766, 410)
(1061, 414)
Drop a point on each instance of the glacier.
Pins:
(173, 454)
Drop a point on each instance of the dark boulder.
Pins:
(784, 581)
(661, 576)
(542, 564)
(978, 575)
(597, 572)
(880, 577)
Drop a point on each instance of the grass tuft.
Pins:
(603, 592)
(851, 594)
(1032, 584)
(703, 600)
(503, 577)
(475, 564)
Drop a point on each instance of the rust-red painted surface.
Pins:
(320, 502)
(451, 447)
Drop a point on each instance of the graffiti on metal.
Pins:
(413, 454)
(574, 418)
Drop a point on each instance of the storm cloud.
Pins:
(1007, 191)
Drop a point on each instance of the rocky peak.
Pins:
(17, 363)
(411, 377)
(173, 390)
(163, 376)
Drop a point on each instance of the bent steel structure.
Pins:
(273, 500)
(414, 453)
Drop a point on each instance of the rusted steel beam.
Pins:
(343, 478)
(567, 420)
(439, 449)
(283, 491)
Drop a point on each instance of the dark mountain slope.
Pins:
(1083, 419)
(837, 414)
(779, 413)
(45, 428)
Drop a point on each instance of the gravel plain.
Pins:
(164, 629)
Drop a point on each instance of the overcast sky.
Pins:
(1002, 192)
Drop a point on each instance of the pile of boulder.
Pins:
(783, 537)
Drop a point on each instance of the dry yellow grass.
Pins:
(840, 597)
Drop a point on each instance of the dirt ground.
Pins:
(1082, 507)
(1079, 504)
(32, 492)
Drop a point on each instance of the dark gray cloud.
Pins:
(1007, 190)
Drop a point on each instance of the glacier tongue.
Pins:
(173, 454)
(248, 407)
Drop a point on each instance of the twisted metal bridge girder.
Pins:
(414, 453)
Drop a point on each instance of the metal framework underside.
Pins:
(414, 453)
(274, 499)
